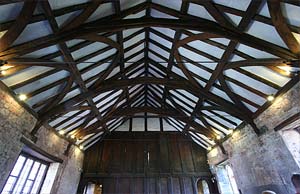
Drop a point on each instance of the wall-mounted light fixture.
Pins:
(270, 98)
(22, 97)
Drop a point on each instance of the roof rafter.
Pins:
(116, 25)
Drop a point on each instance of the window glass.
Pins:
(26, 176)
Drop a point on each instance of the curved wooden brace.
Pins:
(97, 38)
(281, 26)
(272, 64)
(108, 70)
(16, 29)
(177, 84)
(83, 16)
(184, 69)
(201, 36)
(187, 40)
(60, 96)
(198, 25)
(233, 96)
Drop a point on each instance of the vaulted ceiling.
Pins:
(200, 67)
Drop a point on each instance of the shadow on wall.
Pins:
(296, 182)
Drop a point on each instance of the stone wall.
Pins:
(291, 138)
(16, 122)
(264, 162)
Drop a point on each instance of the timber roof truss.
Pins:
(200, 67)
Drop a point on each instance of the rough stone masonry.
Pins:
(263, 162)
(16, 122)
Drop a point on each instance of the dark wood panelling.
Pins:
(120, 163)
(128, 153)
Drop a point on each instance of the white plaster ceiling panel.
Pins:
(166, 31)
(43, 82)
(128, 32)
(66, 18)
(71, 94)
(251, 84)
(92, 122)
(268, 74)
(291, 13)
(254, 52)
(40, 29)
(125, 4)
(108, 99)
(103, 10)
(161, 40)
(202, 46)
(237, 4)
(103, 109)
(167, 126)
(264, 11)
(134, 40)
(101, 95)
(223, 41)
(10, 11)
(124, 126)
(192, 55)
(136, 58)
(178, 71)
(42, 52)
(200, 72)
(88, 50)
(57, 4)
(236, 58)
(219, 119)
(158, 59)
(134, 50)
(234, 19)
(25, 74)
(250, 81)
(181, 96)
(161, 51)
(94, 71)
(202, 83)
(158, 14)
(220, 93)
(176, 4)
(137, 15)
(263, 31)
(73, 42)
(250, 107)
(43, 96)
(114, 72)
(199, 11)
(246, 94)
(64, 117)
(80, 116)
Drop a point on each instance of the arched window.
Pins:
(232, 179)
(225, 178)
(202, 187)
(268, 192)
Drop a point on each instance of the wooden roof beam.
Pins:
(198, 25)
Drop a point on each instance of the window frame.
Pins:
(35, 159)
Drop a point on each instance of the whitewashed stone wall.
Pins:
(264, 162)
(16, 122)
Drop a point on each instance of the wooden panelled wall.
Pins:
(142, 162)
